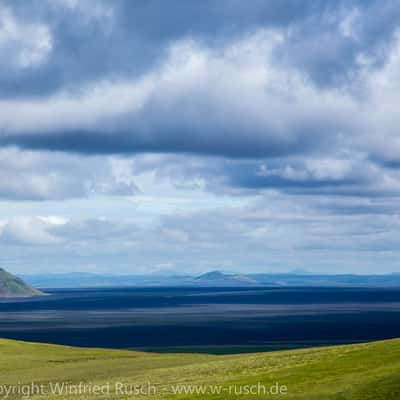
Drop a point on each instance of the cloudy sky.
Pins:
(141, 136)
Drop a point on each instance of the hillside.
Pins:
(217, 278)
(356, 372)
(11, 286)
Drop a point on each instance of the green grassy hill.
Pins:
(362, 371)
(11, 286)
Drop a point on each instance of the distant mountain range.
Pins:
(210, 279)
(11, 286)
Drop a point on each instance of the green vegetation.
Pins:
(11, 286)
(360, 371)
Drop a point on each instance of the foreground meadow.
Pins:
(362, 371)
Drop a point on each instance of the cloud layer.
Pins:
(135, 124)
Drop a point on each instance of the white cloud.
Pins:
(28, 175)
(225, 101)
(229, 101)
(22, 44)
(380, 111)
(29, 231)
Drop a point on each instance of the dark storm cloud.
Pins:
(120, 38)
(295, 87)
(315, 176)
(227, 78)
(307, 176)
(109, 39)
(328, 44)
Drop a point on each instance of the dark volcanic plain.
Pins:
(162, 318)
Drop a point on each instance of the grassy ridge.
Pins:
(12, 286)
(362, 371)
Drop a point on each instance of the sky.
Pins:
(186, 136)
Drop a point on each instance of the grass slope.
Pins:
(11, 286)
(361, 371)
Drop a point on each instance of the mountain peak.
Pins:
(212, 275)
(220, 278)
